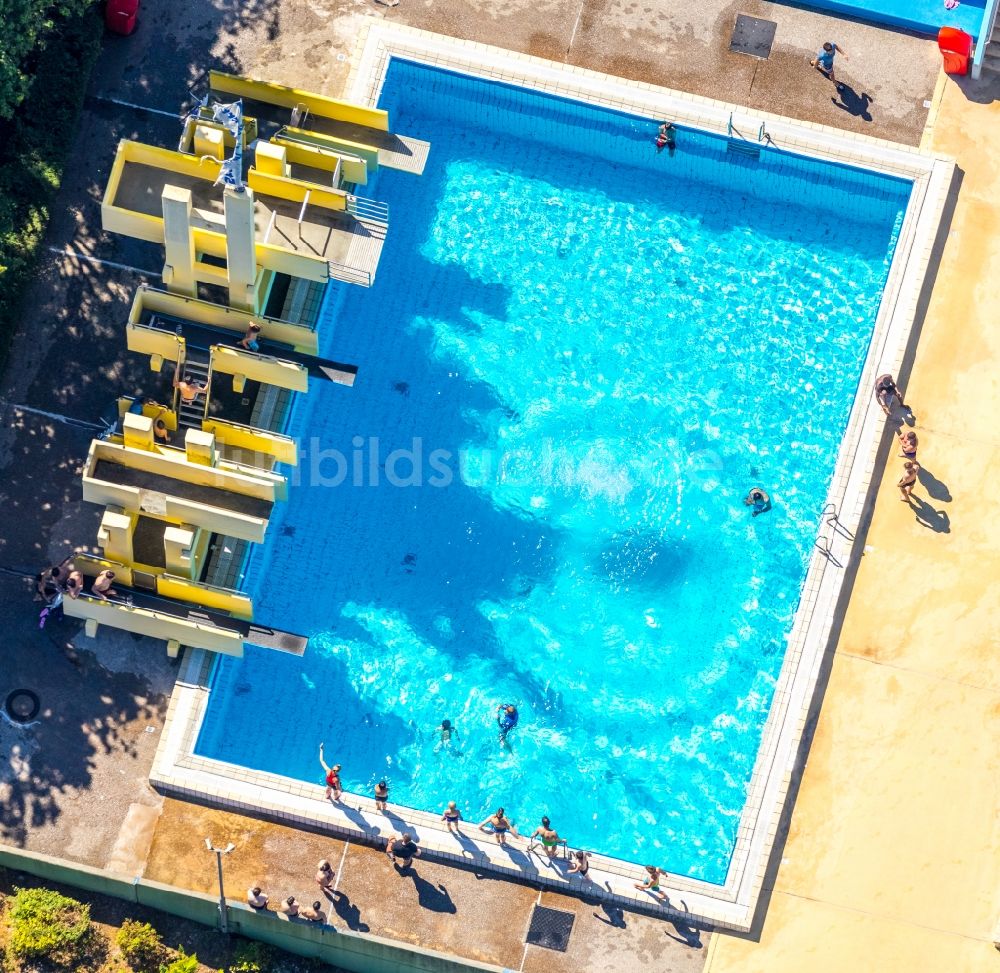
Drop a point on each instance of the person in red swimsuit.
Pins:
(333, 788)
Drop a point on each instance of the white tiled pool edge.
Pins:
(178, 771)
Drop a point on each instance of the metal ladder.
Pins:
(191, 415)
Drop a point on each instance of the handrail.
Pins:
(364, 208)
(985, 33)
(350, 275)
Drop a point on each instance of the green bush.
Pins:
(251, 957)
(183, 964)
(35, 142)
(140, 944)
(46, 924)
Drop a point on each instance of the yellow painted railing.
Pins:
(149, 300)
(303, 136)
(208, 596)
(278, 94)
(353, 168)
(157, 625)
(294, 190)
(254, 441)
(260, 368)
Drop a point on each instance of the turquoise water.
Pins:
(596, 351)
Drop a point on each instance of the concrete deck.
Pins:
(892, 860)
(470, 914)
(322, 233)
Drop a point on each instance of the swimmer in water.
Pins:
(759, 500)
(507, 717)
(447, 730)
(667, 138)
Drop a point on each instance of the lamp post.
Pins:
(219, 852)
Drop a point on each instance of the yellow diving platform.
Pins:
(289, 227)
(174, 609)
(291, 115)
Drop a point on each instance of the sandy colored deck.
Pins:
(891, 862)
(470, 914)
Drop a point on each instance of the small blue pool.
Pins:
(578, 356)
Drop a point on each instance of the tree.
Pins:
(27, 25)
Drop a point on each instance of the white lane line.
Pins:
(131, 104)
(340, 867)
(70, 252)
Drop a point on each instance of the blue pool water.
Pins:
(608, 347)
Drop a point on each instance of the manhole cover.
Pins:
(753, 36)
(22, 705)
(550, 928)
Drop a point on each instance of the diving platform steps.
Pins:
(202, 337)
(190, 415)
(138, 602)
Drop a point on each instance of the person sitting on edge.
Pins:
(885, 391)
(290, 907)
(251, 340)
(74, 584)
(759, 500)
(381, 795)
(101, 588)
(667, 138)
(580, 864)
(256, 899)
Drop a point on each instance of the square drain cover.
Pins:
(550, 928)
(753, 36)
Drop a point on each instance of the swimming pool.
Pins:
(607, 348)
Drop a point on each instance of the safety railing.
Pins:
(350, 275)
(368, 209)
(985, 33)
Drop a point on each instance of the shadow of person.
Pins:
(354, 815)
(936, 490)
(348, 912)
(853, 103)
(927, 516)
(435, 898)
(615, 915)
(688, 935)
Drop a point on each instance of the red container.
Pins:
(120, 16)
(956, 47)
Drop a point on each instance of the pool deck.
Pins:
(75, 784)
(892, 861)
(471, 914)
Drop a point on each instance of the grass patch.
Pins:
(34, 146)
